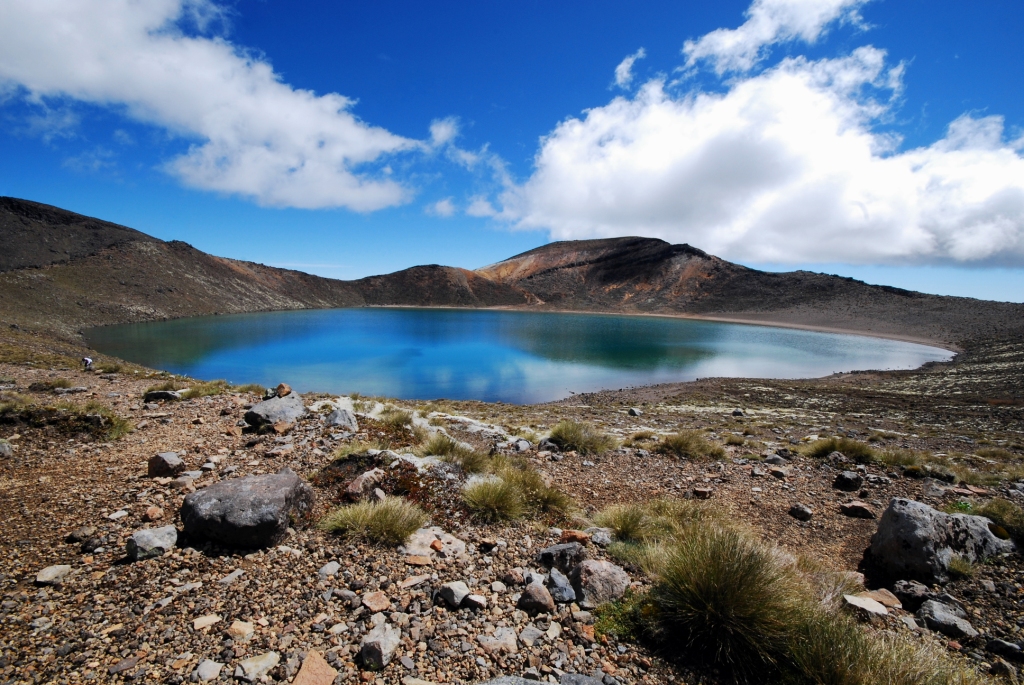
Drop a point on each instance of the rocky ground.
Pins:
(74, 499)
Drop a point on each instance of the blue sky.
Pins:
(881, 140)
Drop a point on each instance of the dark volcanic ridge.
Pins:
(63, 272)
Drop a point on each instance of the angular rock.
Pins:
(161, 395)
(376, 602)
(530, 635)
(378, 646)
(283, 390)
(475, 602)
(252, 668)
(602, 537)
(503, 641)
(1003, 648)
(597, 582)
(165, 464)
(249, 512)
(848, 481)
(857, 509)
(579, 679)
(883, 597)
(240, 631)
(453, 593)
(208, 670)
(206, 621)
(866, 604)
(571, 535)
(315, 670)
(801, 512)
(329, 569)
(52, 575)
(560, 588)
(288, 409)
(6, 449)
(635, 411)
(153, 513)
(342, 418)
(914, 541)
(946, 619)
(151, 542)
(911, 594)
(564, 557)
(509, 680)
(536, 599)
(362, 486)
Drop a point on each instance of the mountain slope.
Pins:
(646, 275)
(62, 272)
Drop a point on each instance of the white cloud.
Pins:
(768, 22)
(443, 131)
(254, 135)
(443, 208)
(784, 166)
(624, 72)
(480, 206)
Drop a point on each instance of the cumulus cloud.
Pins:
(790, 164)
(768, 22)
(443, 208)
(624, 72)
(253, 134)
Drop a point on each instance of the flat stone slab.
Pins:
(52, 575)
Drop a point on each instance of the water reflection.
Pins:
(488, 355)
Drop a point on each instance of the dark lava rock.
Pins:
(911, 593)
(564, 557)
(249, 512)
(158, 395)
(848, 481)
(165, 464)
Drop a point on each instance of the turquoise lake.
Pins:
(508, 356)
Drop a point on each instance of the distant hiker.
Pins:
(88, 363)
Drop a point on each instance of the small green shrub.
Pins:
(1006, 515)
(390, 521)
(960, 506)
(690, 445)
(626, 618)
(858, 451)
(494, 499)
(581, 437)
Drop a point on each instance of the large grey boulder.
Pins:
(151, 542)
(249, 512)
(288, 409)
(164, 395)
(342, 418)
(378, 646)
(597, 582)
(914, 541)
(947, 619)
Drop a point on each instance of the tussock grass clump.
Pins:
(494, 499)
(111, 367)
(254, 388)
(12, 402)
(1006, 515)
(46, 386)
(166, 385)
(581, 437)
(390, 521)
(960, 567)
(393, 417)
(455, 452)
(690, 445)
(858, 451)
(725, 599)
(641, 438)
(900, 457)
(536, 493)
(356, 447)
(207, 389)
(734, 440)
(655, 520)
